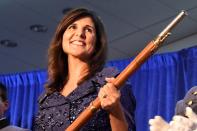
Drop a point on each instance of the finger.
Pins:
(108, 89)
(103, 98)
(110, 80)
(102, 93)
(103, 103)
(112, 92)
(109, 102)
(106, 104)
(112, 96)
(111, 87)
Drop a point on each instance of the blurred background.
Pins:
(26, 28)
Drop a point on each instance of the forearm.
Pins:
(117, 119)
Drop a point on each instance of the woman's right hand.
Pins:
(109, 96)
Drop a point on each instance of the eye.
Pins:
(89, 29)
(72, 27)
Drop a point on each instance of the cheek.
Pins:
(92, 45)
(92, 40)
(65, 40)
(65, 37)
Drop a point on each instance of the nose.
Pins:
(80, 33)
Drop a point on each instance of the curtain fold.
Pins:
(160, 82)
(23, 91)
(157, 85)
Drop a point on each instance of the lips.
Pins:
(78, 42)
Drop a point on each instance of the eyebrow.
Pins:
(90, 27)
(72, 24)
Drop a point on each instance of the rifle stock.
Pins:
(127, 72)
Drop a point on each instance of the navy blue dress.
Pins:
(56, 112)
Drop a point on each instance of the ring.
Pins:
(104, 96)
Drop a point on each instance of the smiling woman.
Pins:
(79, 38)
(76, 73)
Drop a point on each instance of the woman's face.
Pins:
(79, 38)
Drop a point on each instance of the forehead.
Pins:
(84, 20)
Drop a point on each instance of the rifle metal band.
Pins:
(92, 108)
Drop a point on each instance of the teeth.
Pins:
(77, 43)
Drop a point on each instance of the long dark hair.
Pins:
(58, 60)
(3, 92)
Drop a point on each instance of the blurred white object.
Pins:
(158, 124)
(178, 123)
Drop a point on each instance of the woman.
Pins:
(77, 55)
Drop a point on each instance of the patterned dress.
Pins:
(56, 112)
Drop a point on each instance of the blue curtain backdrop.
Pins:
(157, 86)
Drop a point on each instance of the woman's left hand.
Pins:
(109, 96)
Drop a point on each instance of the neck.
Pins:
(77, 69)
